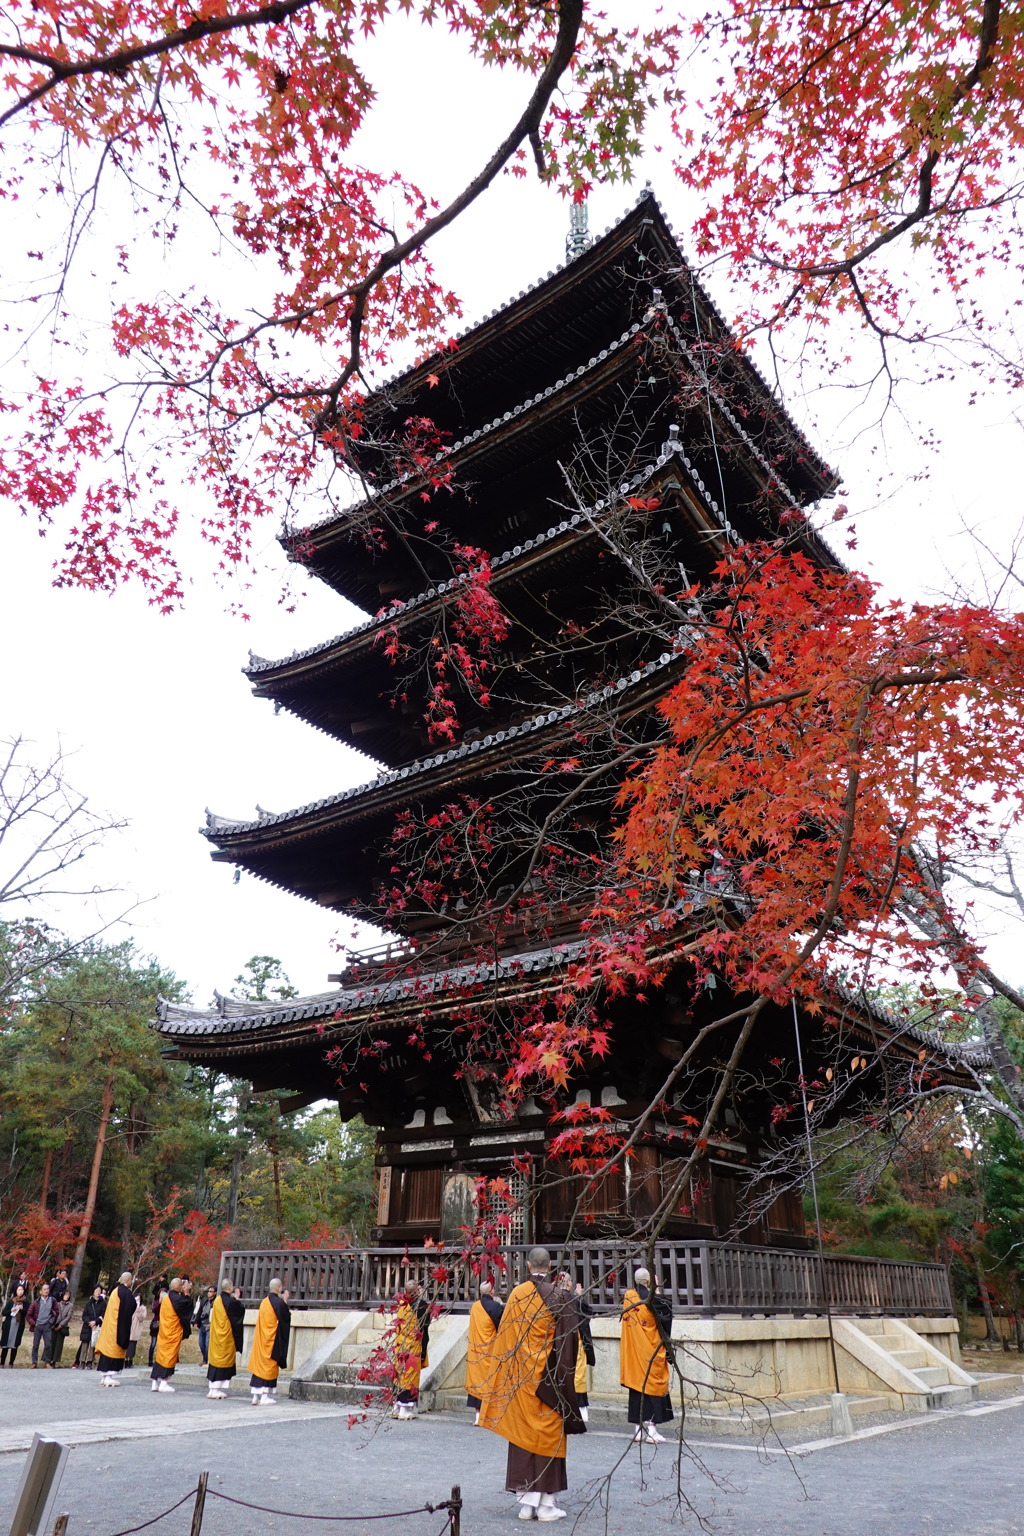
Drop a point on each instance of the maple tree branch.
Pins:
(570, 21)
(118, 62)
(985, 57)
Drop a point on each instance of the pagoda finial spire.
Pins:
(578, 238)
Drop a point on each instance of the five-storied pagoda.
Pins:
(551, 380)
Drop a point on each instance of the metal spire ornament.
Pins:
(578, 238)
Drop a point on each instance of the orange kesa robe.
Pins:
(519, 1355)
(270, 1340)
(482, 1328)
(643, 1363)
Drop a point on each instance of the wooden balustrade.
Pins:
(700, 1278)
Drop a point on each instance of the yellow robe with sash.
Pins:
(221, 1354)
(581, 1380)
(107, 1344)
(169, 1335)
(643, 1363)
(261, 1362)
(409, 1357)
(519, 1354)
(478, 1351)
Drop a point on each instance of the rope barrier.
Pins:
(301, 1514)
(452, 1507)
(132, 1529)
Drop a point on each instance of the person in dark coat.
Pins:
(92, 1317)
(42, 1315)
(12, 1325)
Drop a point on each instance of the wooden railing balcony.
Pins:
(702, 1279)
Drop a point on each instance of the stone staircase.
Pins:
(915, 1375)
(336, 1378)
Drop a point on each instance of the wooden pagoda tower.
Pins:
(555, 367)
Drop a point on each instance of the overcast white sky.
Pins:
(155, 709)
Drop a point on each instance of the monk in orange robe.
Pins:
(269, 1345)
(174, 1324)
(643, 1357)
(530, 1399)
(115, 1332)
(484, 1322)
(227, 1317)
(412, 1336)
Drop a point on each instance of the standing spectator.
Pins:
(201, 1320)
(92, 1317)
(42, 1315)
(135, 1333)
(12, 1325)
(61, 1327)
(60, 1291)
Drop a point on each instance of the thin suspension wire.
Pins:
(822, 1280)
(711, 414)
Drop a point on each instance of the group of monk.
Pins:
(173, 1315)
(527, 1371)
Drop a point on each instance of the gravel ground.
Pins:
(958, 1474)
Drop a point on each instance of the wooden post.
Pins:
(200, 1504)
(60, 1525)
(456, 1510)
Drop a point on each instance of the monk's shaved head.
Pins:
(486, 1288)
(175, 1284)
(226, 1285)
(276, 1285)
(126, 1278)
(642, 1276)
(539, 1259)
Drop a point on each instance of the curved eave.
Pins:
(643, 224)
(354, 651)
(473, 759)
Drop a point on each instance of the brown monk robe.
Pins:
(643, 1357)
(227, 1317)
(269, 1344)
(115, 1332)
(530, 1397)
(484, 1322)
(174, 1325)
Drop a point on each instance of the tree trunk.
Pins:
(126, 1239)
(106, 1105)
(238, 1156)
(992, 1335)
(64, 1180)
(44, 1196)
(1018, 1324)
